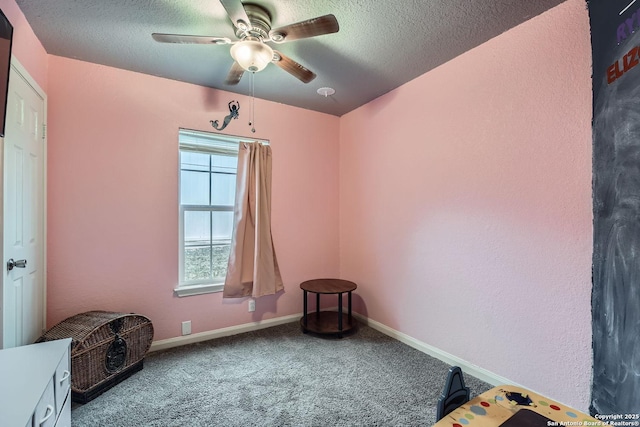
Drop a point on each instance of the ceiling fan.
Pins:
(253, 28)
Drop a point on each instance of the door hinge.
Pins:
(44, 131)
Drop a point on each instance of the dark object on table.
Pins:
(106, 348)
(528, 418)
(519, 398)
(455, 393)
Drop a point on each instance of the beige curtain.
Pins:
(253, 267)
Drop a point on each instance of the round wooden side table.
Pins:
(327, 322)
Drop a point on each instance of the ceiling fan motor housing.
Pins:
(260, 22)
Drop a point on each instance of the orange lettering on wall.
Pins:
(611, 76)
(613, 72)
(631, 59)
(621, 66)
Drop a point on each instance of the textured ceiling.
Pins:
(381, 43)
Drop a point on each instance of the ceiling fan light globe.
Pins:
(252, 55)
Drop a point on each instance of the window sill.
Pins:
(189, 290)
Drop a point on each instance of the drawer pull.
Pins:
(65, 376)
(47, 414)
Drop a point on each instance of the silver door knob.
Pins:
(21, 263)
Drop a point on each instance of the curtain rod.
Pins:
(225, 137)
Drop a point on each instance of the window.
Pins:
(208, 165)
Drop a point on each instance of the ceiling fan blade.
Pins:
(236, 12)
(326, 24)
(292, 67)
(235, 74)
(184, 39)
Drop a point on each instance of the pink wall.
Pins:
(26, 46)
(465, 205)
(112, 195)
(467, 190)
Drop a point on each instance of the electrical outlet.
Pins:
(186, 327)
(252, 305)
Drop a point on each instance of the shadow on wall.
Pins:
(268, 304)
(359, 305)
(263, 305)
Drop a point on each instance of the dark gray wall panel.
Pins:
(616, 206)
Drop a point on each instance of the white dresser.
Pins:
(35, 385)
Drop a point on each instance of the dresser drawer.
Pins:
(64, 420)
(62, 379)
(35, 384)
(45, 413)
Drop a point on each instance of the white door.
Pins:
(23, 304)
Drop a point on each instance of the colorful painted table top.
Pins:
(498, 407)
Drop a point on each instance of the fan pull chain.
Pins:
(253, 110)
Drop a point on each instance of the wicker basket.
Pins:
(106, 348)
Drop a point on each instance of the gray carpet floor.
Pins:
(278, 377)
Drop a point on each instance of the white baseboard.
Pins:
(224, 332)
(471, 369)
(450, 359)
